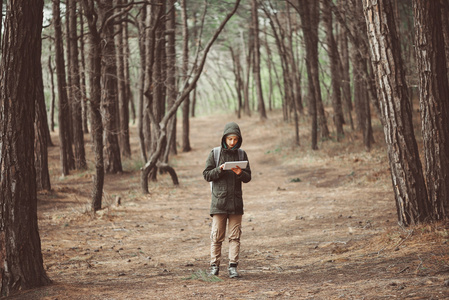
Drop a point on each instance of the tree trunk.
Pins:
(344, 70)
(158, 87)
(171, 77)
(122, 92)
(53, 97)
(309, 20)
(83, 76)
(279, 37)
(109, 93)
(293, 76)
(270, 66)
(256, 67)
(42, 134)
(236, 68)
(127, 78)
(434, 94)
(74, 75)
(143, 71)
(249, 55)
(95, 104)
(21, 263)
(445, 27)
(185, 66)
(63, 106)
(335, 74)
(405, 165)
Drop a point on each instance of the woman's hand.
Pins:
(237, 170)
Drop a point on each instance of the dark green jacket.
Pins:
(227, 186)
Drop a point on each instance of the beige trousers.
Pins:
(218, 235)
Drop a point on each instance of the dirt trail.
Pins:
(317, 225)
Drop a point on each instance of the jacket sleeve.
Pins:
(211, 172)
(245, 176)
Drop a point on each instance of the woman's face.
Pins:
(231, 141)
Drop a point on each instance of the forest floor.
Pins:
(317, 225)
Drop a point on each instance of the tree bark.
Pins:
(237, 70)
(95, 103)
(434, 94)
(171, 77)
(249, 56)
(445, 28)
(256, 67)
(185, 66)
(405, 165)
(122, 88)
(53, 96)
(335, 74)
(76, 100)
(344, 70)
(21, 263)
(158, 87)
(113, 162)
(142, 82)
(63, 105)
(42, 134)
(309, 19)
(84, 104)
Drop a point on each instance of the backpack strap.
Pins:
(241, 153)
(217, 151)
(217, 155)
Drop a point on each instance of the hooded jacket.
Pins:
(227, 186)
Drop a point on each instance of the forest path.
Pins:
(317, 225)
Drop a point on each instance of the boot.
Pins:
(233, 271)
(214, 270)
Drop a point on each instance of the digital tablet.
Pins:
(232, 164)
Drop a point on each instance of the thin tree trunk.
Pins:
(42, 134)
(344, 70)
(95, 105)
(127, 55)
(63, 106)
(238, 80)
(158, 86)
(335, 74)
(185, 66)
(53, 97)
(171, 78)
(84, 105)
(256, 67)
(122, 92)
(109, 93)
(77, 99)
(309, 21)
(249, 55)
(142, 81)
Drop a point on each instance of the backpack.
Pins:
(217, 158)
(217, 155)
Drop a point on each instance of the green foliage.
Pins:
(277, 150)
(203, 276)
(132, 164)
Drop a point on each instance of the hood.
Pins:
(231, 127)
